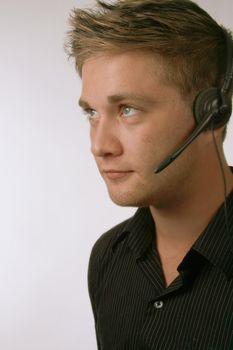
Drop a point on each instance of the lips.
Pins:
(117, 174)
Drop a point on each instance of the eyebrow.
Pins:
(112, 99)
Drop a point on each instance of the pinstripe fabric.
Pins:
(132, 308)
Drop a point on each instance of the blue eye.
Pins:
(128, 111)
(90, 113)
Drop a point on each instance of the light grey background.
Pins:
(53, 204)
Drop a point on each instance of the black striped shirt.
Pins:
(132, 307)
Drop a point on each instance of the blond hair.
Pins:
(189, 41)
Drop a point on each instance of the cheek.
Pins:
(142, 147)
(149, 146)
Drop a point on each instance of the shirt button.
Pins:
(158, 304)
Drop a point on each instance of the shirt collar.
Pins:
(140, 231)
(215, 244)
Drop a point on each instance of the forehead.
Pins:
(122, 71)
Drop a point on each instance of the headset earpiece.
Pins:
(212, 101)
(215, 101)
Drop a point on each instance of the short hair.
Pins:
(187, 38)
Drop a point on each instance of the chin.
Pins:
(129, 199)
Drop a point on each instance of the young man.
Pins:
(164, 278)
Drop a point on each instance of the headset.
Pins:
(212, 107)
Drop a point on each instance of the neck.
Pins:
(179, 224)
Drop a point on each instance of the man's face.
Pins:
(136, 120)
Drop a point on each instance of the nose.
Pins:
(105, 139)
